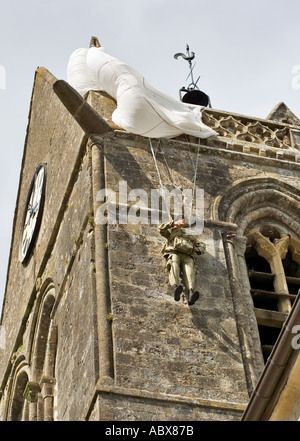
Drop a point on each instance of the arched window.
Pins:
(261, 244)
(19, 409)
(43, 358)
(31, 386)
(273, 280)
(41, 336)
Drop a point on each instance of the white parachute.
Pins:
(141, 108)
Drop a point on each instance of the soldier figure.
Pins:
(181, 250)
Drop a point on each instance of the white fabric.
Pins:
(141, 108)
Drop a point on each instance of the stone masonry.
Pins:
(92, 331)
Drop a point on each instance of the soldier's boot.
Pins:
(193, 296)
(177, 291)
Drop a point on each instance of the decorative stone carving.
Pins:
(274, 253)
(250, 130)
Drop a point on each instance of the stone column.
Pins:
(274, 253)
(47, 384)
(257, 365)
(239, 307)
(31, 395)
(106, 371)
(50, 351)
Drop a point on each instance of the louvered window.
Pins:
(274, 274)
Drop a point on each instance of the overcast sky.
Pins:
(247, 53)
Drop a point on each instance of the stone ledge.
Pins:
(157, 396)
(221, 148)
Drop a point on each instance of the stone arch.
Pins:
(295, 249)
(251, 199)
(42, 333)
(18, 409)
(44, 355)
(248, 208)
(256, 205)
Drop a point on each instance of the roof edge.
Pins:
(276, 371)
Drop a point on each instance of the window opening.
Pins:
(19, 406)
(292, 273)
(268, 336)
(261, 280)
(266, 301)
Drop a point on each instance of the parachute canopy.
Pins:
(141, 108)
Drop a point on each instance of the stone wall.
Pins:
(57, 142)
(124, 349)
(54, 138)
(161, 345)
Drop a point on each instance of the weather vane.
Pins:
(193, 94)
(189, 57)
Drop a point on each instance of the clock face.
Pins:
(33, 213)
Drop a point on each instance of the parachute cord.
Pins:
(159, 176)
(155, 162)
(163, 188)
(196, 172)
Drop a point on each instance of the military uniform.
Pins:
(179, 251)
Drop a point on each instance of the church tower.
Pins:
(92, 330)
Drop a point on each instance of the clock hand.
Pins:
(31, 211)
